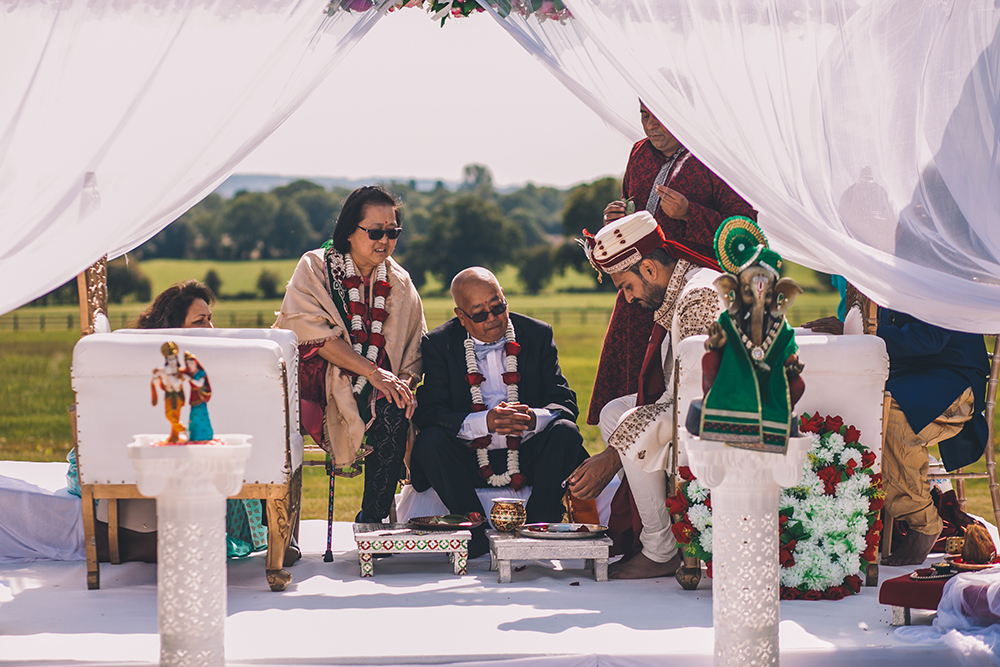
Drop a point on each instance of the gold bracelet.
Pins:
(369, 376)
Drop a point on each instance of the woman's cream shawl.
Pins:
(309, 311)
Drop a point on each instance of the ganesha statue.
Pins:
(751, 374)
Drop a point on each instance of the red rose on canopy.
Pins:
(868, 459)
(512, 348)
(357, 308)
(685, 473)
(351, 283)
(876, 504)
(511, 378)
(513, 441)
(377, 339)
(834, 424)
(708, 502)
(852, 435)
(831, 478)
(381, 288)
(812, 595)
(677, 504)
(853, 582)
(682, 530)
(811, 425)
(379, 314)
(835, 593)
(475, 379)
(786, 558)
(360, 336)
(790, 593)
(782, 520)
(877, 480)
(517, 481)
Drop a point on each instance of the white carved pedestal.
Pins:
(191, 484)
(745, 489)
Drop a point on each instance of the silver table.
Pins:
(507, 547)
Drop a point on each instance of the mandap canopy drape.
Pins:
(864, 132)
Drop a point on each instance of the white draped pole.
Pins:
(191, 484)
(745, 489)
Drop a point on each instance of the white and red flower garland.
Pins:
(513, 475)
(829, 523)
(357, 309)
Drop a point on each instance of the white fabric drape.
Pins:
(116, 117)
(864, 132)
(966, 620)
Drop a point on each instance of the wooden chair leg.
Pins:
(960, 491)
(991, 402)
(280, 518)
(89, 540)
(115, 557)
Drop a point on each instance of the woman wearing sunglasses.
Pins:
(359, 321)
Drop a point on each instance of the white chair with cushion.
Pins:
(844, 375)
(253, 373)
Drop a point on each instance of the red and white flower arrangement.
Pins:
(829, 523)
(374, 339)
(513, 475)
(543, 10)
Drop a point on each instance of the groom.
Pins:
(484, 423)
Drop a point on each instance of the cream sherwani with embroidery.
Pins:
(642, 434)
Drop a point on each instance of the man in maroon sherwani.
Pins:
(689, 202)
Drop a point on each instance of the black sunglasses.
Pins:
(484, 315)
(377, 234)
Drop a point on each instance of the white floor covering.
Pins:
(415, 611)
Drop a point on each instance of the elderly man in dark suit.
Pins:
(494, 408)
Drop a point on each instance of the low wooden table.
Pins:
(506, 547)
(401, 538)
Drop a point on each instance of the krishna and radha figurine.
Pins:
(751, 374)
(170, 380)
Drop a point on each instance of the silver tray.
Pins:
(563, 531)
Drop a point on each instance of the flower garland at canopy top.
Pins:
(543, 10)
(513, 475)
(829, 523)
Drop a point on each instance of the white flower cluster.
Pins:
(472, 366)
(513, 466)
(512, 395)
(835, 525)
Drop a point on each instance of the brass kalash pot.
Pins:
(508, 514)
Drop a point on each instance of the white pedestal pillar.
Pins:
(191, 484)
(745, 489)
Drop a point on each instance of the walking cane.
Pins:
(328, 556)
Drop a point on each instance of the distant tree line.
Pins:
(532, 228)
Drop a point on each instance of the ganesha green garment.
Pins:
(748, 405)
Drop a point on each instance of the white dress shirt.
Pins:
(495, 392)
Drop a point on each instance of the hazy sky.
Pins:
(413, 99)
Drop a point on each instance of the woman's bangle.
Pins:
(369, 376)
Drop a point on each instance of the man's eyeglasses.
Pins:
(377, 234)
(484, 315)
